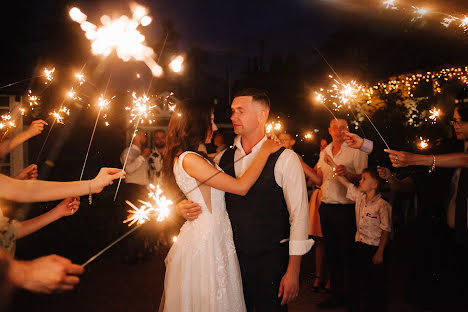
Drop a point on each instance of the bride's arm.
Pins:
(27, 191)
(200, 169)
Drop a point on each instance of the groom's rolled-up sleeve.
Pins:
(290, 176)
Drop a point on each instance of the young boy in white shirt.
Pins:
(373, 222)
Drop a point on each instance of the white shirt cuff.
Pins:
(299, 248)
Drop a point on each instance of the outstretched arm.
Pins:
(198, 168)
(36, 127)
(65, 208)
(405, 159)
(37, 191)
(403, 185)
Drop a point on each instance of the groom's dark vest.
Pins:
(260, 219)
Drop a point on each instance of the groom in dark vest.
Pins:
(270, 223)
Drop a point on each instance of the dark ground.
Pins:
(110, 285)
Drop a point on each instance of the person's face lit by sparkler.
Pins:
(460, 126)
(248, 116)
(287, 140)
(214, 128)
(337, 129)
(159, 139)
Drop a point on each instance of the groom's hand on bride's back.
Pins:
(188, 210)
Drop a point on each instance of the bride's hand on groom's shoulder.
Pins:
(271, 146)
(188, 210)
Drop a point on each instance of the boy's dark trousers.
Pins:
(369, 279)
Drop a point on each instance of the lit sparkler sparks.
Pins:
(120, 35)
(177, 64)
(142, 108)
(72, 94)
(308, 136)
(273, 126)
(347, 93)
(448, 20)
(103, 102)
(390, 4)
(33, 101)
(434, 114)
(137, 215)
(80, 77)
(420, 12)
(159, 208)
(48, 74)
(423, 143)
(464, 23)
(58, 115)
(7, 123)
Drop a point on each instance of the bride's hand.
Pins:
(271, 146)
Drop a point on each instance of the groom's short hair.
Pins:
(257, 95)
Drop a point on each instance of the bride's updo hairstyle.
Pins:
(189, 127)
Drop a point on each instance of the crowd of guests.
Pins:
(352, 223)
(349, 219)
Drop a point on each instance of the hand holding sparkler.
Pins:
(105, 177)
(67, 207)
(353, 140)
(401, 159)
(28, 173)
(36, 128)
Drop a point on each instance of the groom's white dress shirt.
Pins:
(290, 177)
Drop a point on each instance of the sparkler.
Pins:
(103, 103)
(6, 124)
(273, 126)
(176, 64)
(59, 114)
(80, 77)
(434, 114)
(120, 35)
(390, 4)
(423, 143)
(308, 136)
(48, 75)
(142, 108)
(158, 208)
(420, 12)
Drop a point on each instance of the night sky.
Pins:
(230, 31)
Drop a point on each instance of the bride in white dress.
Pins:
(202, 270)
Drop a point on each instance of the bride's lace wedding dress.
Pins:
(202, 270)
